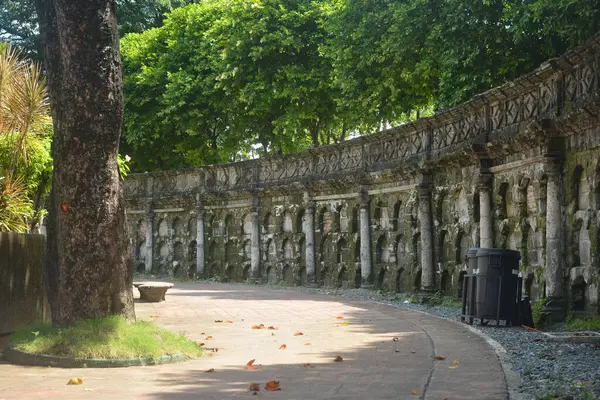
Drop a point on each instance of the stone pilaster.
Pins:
(365, 239)
(200, 256)
(255, 240)
(424, 191)
(486, 222)
(149, 236)
(554, 245)
(310, 242)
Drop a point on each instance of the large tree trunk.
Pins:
(87, 268)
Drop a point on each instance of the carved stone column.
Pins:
(200, 257)
(365, 239)
(486, 222)
(310, 242)
(255, 241)
(149, 236)
(554, 245)
(424, 191)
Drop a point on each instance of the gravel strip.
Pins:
(548, 370)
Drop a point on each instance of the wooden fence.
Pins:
(22, 295)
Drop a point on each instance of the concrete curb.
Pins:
(511, 378)
(43, 360)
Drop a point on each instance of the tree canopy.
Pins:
(224, 79)
(19, 20)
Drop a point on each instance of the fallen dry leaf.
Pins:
(339, 317)
(439, 358)
(272, 386)
(453, 366)
(338, 359)
(210, 370)
(208, 338)
(154, 316)
(272, 328)
(218, 320)
(201, 344)
(282, 347)
(414, 392)
(345, 323)
(396, 351)
(75, 381)
(254, 387)
(456, 362)
(261, 326)
(215, 350)
(229, 321)
(307, 344)
(308, 365)
(272, 333)
(250, 366)
(211, 354)
(395, 339)
(298, 334)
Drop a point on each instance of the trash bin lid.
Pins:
(472, 252)
(498, 252)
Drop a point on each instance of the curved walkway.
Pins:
(388, 353)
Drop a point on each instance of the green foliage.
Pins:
(583, 324)
(538, 313)
(36, 174)
(18, 20)
(222, 78)
(16, 209)
(110, 338)
(123, 165)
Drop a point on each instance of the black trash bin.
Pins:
(497, 293)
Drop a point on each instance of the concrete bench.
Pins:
(153, 292)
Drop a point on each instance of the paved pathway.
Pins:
(375, 365)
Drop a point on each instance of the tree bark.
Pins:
(88, 270)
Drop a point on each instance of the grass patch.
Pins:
(110, 338)
(583, 324)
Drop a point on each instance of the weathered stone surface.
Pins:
(516, 167)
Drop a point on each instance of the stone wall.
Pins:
(515, 167)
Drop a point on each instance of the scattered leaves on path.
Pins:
(307, 344)
(215, 350)
(218, 320)
(282, 347)
(200, 344)
(210, 370)
(154, 316)
(395, 339)
(439, 358)
(75, 381)
(254, 387)
(308, 365)
(345, 323)
(298, 334)
(208, 338)
(414, 393)
(272, 333)
(453, 366)
(339, 317)
(272, 386)
(396, 351)
(456, 362)
(250, 366)
(261, 326)
(272, 328)
(338, 359)
(229, 321)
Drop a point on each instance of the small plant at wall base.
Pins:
(538, 313)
